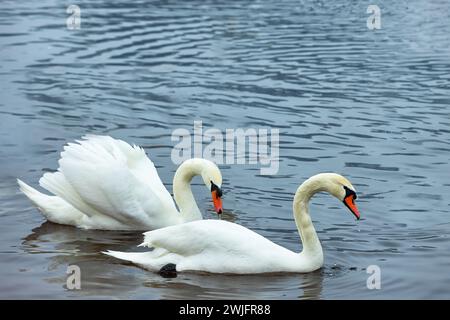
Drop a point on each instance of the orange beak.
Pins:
(217, 201)
(349, 201)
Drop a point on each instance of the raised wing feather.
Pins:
(109, 177)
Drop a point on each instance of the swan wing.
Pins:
(100, 175)
(209, 245)
(94, 148)
(199, 245)
(199, 236)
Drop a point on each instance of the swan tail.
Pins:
(134, 257)
(57, 184)
(53, 208)
(151, 260)
(37, 198)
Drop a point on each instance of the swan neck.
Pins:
(182, 191)
(308, 235)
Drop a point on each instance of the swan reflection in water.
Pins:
(106, 277)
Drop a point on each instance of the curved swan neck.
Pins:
(310, 240)
(182, 191)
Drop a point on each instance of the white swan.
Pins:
(104, 183)
(219, 246)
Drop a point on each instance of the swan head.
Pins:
(341, 188)
(213, 181)
(338, 186)
(212, 178)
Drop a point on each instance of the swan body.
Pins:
(219, 246)
(104, 183)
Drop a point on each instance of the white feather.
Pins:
(104, 183)
(219, 246)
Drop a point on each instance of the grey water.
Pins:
(372, 105)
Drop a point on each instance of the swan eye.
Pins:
(350, 192)
(214, 187)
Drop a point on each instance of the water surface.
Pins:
(371, 105)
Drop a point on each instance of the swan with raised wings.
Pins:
(219, 246)
(105, 183)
